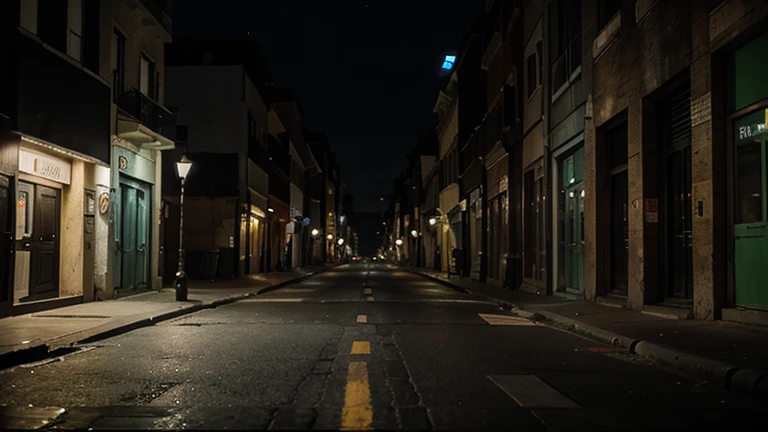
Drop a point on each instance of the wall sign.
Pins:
(47, 167)
(103, 203)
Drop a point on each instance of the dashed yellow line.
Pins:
(359, 347)
(357, 413)
(362, 319)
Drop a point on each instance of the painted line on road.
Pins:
(357, 413)
(506, 320)
(368, 291)
(370, 298)
(360, 347)
(362, 319)
(529, 391)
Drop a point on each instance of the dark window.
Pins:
(606, 9)
(52, 23)
(531, 74)
(565, 40)
(118, 63)
(540, 61)
(147, 84)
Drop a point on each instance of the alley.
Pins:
(361, 346)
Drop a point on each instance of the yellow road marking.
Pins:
(362, 318)
(357, 413)
(369, 298)
(360, 347)
(368, 291)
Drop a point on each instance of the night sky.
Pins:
(365, 72)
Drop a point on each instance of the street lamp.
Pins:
(432, 221)
(399, 242)
(183, 166)
(315, 232)
(329, 236)
(340, 241)
(414, 233)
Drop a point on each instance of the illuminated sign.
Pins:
(44, 166)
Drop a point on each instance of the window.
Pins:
(540, 63)
(24, 210)
(75, 29)
(565, 40)
(606, 9)
(147, 77)
(532, 74)
(118, 64)
(28, 15)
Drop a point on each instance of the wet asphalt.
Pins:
(281, 361)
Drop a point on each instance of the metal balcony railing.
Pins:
(150, 113)
(566, 64)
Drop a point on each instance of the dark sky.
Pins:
(365, 71)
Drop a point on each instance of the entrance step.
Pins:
(612, 301)
(668, 312)
(746, 316)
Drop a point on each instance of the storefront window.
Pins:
(24, 211)
(749, 132)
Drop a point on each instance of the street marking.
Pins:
(506, 320)
(531, 392)
(362, 318)
(368, 291)
(360, 347)
(357, 413)
(274, 300)
(369, 298)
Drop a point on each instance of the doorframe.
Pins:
(559, 155)
(730, 260)
(7, 305)
(147, 188)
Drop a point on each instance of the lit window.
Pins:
(448, 62)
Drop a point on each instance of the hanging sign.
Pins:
(47, 167)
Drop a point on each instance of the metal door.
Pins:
(5, 237)
(619, 233)
(141, 277)
(44, 263)
(679, 227)
(751, 211)
(128, 237)
(574, 237)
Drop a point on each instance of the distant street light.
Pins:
(432, 221)
(340, 241)
(414, 233)
(399, 242)
(315, 232)
(329, 236)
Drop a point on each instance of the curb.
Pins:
(750, 383)
(53, 347)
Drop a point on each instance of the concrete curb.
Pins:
(50, 347)
(744, 382)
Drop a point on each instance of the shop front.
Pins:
(570, 221)
(53, 230)
(747, 103)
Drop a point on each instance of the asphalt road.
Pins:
(361, 347)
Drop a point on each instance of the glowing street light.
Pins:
(329, 236)
(414, 233)
(315, 232)
(340, 241)
(182, 167)
(399, 242)
(432, 221)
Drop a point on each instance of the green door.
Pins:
(572, 228)
(750, 212)
(134, 235)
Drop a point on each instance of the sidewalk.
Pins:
(729, 355)
(31, 337)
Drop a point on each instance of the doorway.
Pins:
(5, 237)
(750, 213)
(43, 243)
(134, 235)
(571, 216)
(617, 142)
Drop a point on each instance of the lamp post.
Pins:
(183, 166)
(315, 232)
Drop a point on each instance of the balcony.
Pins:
(566, 66)
(482, 141)
(149, 124)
